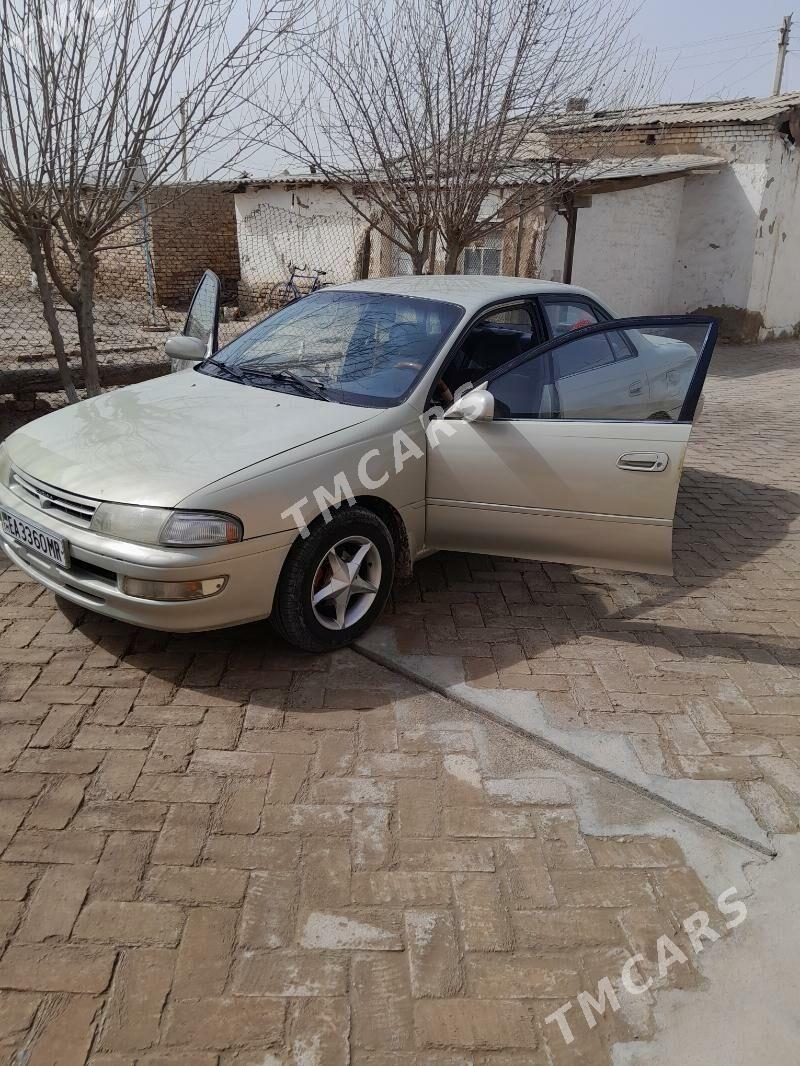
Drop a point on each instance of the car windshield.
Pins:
(365, 348)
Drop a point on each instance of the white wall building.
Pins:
(294, 219)
(697, 208)
(725, 239)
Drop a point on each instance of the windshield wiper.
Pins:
(314, 389)
(232, 370)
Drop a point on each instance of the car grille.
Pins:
(78, 510)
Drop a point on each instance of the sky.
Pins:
(718, 49)
(704, 50)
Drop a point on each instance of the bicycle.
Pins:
(286, 292)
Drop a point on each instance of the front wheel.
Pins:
(336, 582)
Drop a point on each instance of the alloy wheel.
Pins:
(346, 583)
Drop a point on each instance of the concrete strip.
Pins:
(716, 804)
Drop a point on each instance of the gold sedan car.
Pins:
(293, 473)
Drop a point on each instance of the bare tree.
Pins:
(25, 202)
(369, 129)
(122, 99)
(428, 111)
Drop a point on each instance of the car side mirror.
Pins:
(474, 406)
(185, 348)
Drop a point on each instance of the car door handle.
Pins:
(650, 461)
(635, 388)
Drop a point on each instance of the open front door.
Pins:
(582, 461)
(202, 325)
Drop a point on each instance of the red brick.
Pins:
(178, 788)
(55, 903)
(182, 835)
(59, 762)
(17, 1010)
(118, 774)
(56, 968)
(382, 1004)
(268, 912)
(56, 807)
(477, 1024)
(321, 1029)
(130, 924)
(289, 973)
(205, 953)
(121, 865)
(288, 775)
(258, 852)
(64, 1036)
(250, 764)
(122, 815)
(226, 1021)
(207, 884)
(433, 954)
(141, 985)
(65, 845)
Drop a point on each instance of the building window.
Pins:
(484, 256)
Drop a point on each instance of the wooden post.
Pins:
(571, 215)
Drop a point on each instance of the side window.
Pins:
(517, 317)
(494, 340)
(627, 375)
(586, 353)
(564, 316)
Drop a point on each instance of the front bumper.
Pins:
(98, 563)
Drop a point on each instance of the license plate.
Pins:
(39, 540)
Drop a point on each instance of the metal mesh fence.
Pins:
(143, 284)
(264, 254)
(275, 243)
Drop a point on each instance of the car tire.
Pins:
(315, 609)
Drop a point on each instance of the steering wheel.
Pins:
(401, 335)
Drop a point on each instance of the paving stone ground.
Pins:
(701, 672)
(215, 851)
(218, 852)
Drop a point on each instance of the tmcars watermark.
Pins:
(374, 469)
(697, 928)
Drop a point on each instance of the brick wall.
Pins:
(193, 228)
(121, 272)
(726, 140)
(15, 265)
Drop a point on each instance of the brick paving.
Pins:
(216, 852)
(701, 672)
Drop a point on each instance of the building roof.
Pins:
(302, 176)
(602, 170)
(748, 109)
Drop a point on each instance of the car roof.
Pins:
(471, 291)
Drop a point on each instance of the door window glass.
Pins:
(493, 341)
(565, 316)
(613, 375)
(201, 322)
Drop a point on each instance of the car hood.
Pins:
(159, 442)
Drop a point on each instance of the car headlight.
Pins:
(160, 526)
(5, 467)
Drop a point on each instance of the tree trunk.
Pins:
(452, 253)
(84, 311)
(49, 312)
(418, 260)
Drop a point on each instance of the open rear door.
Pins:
(582, 460)
(202, 321)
